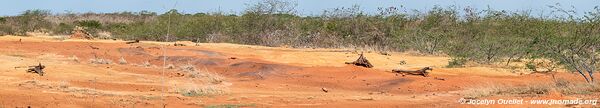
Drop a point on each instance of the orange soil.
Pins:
(258, 76)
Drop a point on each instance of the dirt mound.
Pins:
(197, 61)
(135, 51)
(255, 70)
(202, 52)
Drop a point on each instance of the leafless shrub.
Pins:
(104, 35)
(216, 38)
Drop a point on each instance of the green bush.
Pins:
(91, 24)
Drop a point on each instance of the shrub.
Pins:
(456, 62)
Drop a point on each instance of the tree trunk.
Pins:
(592, 76)
(581, 72)
(510, 58)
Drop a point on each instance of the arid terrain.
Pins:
(108, 73)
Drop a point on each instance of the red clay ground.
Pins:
(254, 77)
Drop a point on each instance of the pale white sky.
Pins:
(305, 7)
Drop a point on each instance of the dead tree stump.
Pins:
(361, 61)
(39, 69)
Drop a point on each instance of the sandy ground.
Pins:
(255, 76)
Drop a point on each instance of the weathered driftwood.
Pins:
(361, 61)
(39, 69)
(422, 71)
(135, 41)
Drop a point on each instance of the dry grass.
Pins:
(562, 86)
(205, 75)
(170, 66)
(190, 70)
(63, 84)
(146, 64)
(100, 61)
(214, 83)
(568, 88)
(231, 106)
(494, 90)
(74, 58)
(214, 78)
(206, 90)
(122, 61)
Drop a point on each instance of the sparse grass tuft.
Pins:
(493, 90)
(568, 88)
(122, 61)
(230, 105)
(210, 90)
(170, 66)
(74, 58)
(190, 69)
(146, 64)
(100, 61)
(63, 84)
(563, 86)
(212, 78)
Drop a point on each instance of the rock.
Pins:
(439, 78)
(325, 89)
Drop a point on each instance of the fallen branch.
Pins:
(135, 41)
(39, 69)
(422, 71)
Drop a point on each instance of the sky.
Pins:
(305, 7)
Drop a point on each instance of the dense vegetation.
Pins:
(467, 35)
